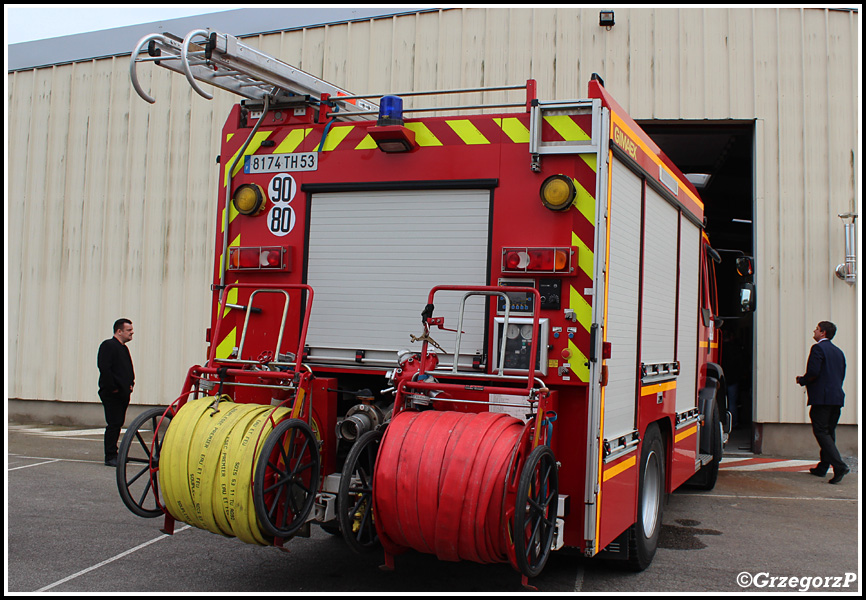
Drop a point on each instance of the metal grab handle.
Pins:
(133, 72)
(499, 294)
(184, 61)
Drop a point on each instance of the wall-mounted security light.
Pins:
(605, 18)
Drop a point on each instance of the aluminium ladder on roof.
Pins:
(227, 63)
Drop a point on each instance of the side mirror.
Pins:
(745, 266)
(747, 297)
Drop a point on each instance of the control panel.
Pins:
(520, 303)
(523, 303)
(518, 340)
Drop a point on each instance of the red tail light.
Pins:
(538, 260)
(260, 258)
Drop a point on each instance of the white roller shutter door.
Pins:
(660, 261)
(623, 298)
(687, 338)
(373, 258)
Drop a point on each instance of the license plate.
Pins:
(281, 163)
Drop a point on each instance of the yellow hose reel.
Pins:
(240, 470)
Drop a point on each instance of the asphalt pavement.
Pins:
(762, 529)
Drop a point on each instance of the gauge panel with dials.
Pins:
(518, 344)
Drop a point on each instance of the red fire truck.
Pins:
(484, 336)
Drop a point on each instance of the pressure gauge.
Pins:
(526, 332)
(513, 331)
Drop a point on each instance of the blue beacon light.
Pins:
(390, 111)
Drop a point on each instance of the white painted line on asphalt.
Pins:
(110, 560)
(769, 466)
(53, 460)
(766, 497)
(50, 460)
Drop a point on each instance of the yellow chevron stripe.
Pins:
(578, 362)
(584, 201)
(292, 141)
(231, 298)
(224, 350)
(514, 129)
(585, 256)
(233, 213)
(335, 136)
(591, 160)
(567, 128)
(366, 144)
(582, 309)
(235, 242)
(255, 144)
(467, 131)
(423, 135)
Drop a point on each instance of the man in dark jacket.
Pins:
(825, 372)
(116, 380)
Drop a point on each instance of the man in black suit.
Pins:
(825, 373)
(116, 380)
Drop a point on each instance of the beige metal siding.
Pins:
(111, 200)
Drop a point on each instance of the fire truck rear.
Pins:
(484, 336)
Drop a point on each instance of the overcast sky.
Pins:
(28, 22)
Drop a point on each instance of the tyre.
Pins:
(706, 477)
(644, 534)
(138, 462)
(355, 496)
(286, 478)
(535, 514)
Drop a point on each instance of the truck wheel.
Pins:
(706, 478)
(644, 535)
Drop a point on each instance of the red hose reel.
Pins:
(450, 483)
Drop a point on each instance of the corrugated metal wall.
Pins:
(111, 200)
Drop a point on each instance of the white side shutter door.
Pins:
(373, 258)
(687, 339)
(623, 301)
(660, 263)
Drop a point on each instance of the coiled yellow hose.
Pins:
(207, 463)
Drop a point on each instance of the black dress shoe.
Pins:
(838, 475)
(818, 472)
(111, 462)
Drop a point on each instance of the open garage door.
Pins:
(724, 151)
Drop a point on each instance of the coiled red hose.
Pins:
(439, 484)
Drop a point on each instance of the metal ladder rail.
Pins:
(539, 147)
(165, 50)
(227, 51)
(226, 63)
